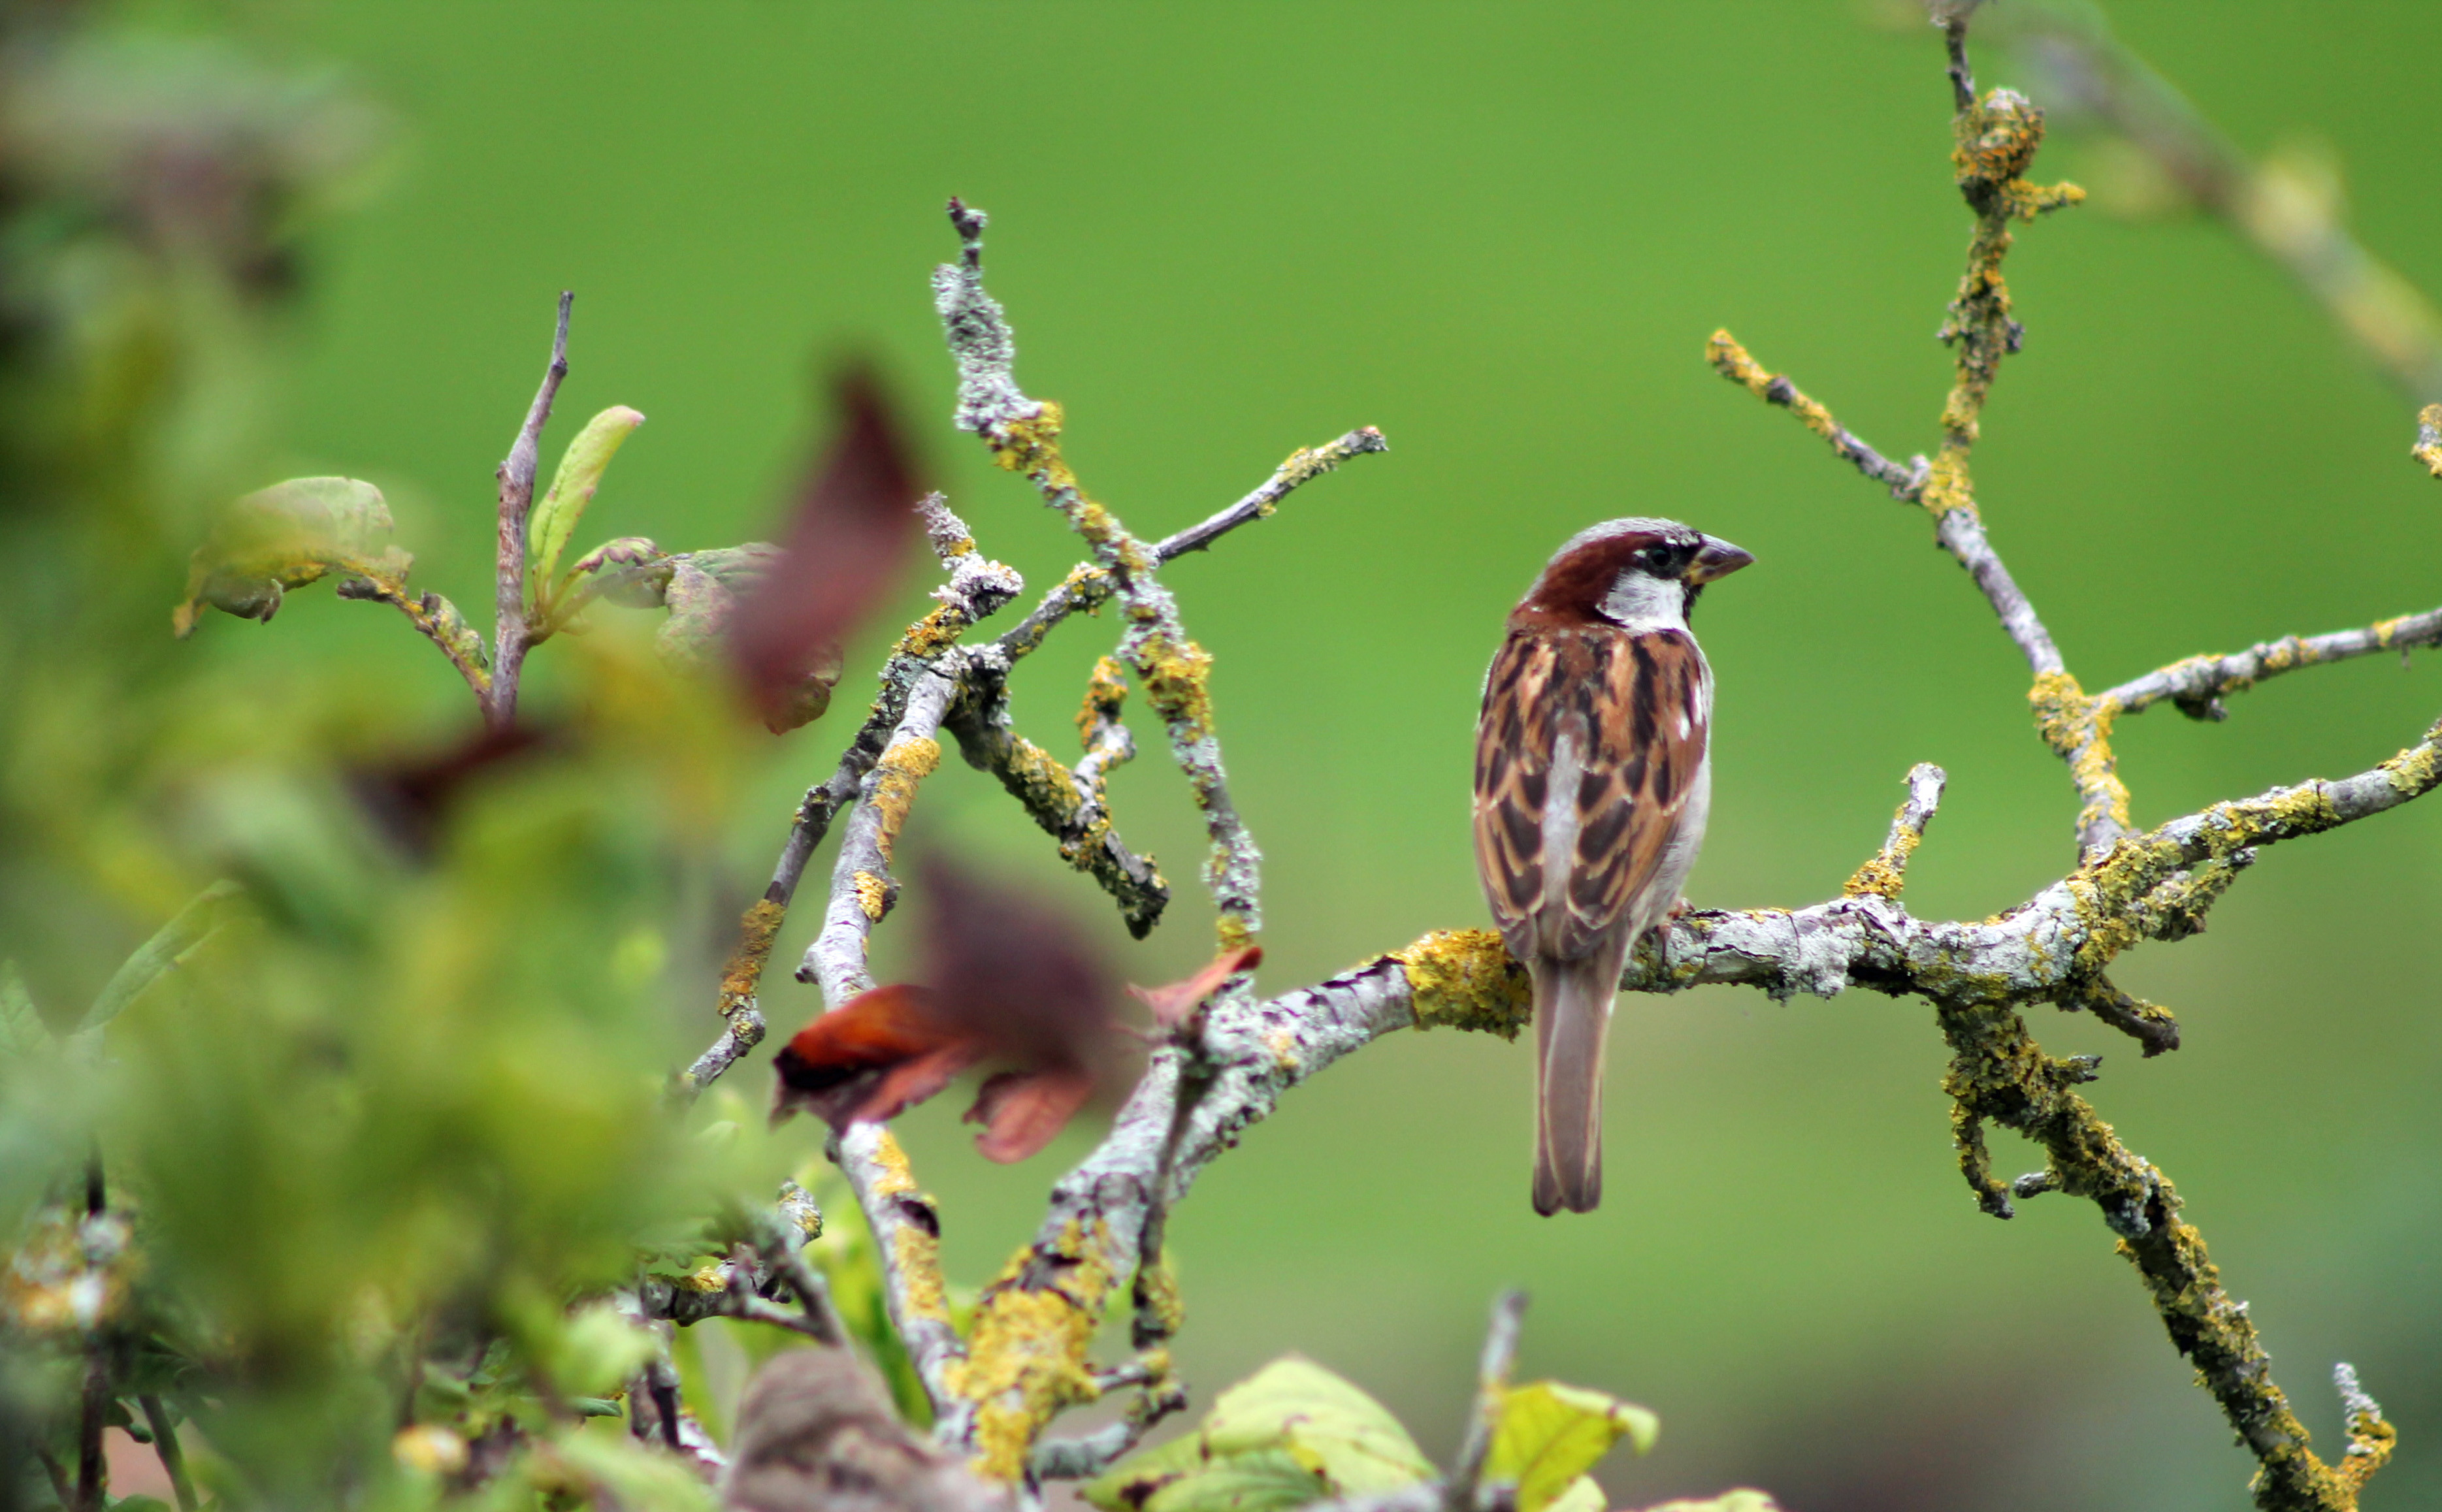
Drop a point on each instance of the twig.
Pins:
(977, 589)
(2371, 1439)
(2429, 439)
(516, 479)
(1731, 361)
(1070, 804)
(2274, 205)
(1887, 872)
(1024, 435)
(1491, 1383)
(2197, 684)
(93, 1467)
(165, 1443)
(1301, 464)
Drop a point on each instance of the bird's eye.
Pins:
(1655, 559)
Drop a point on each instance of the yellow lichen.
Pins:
(872, 894)
(1160, 1299)
(1177, 676)
(2079, 731)
(705, 1278)
(1466, 979)
(2414, 769)
(744, 972)
(2428, 451)
(934, 633)
(1883, 875)
(895, 777)
(1948, 486)
(1033, 446)
(1283, 1044)
(1106, 692)
(916, 1255)
(892, 1177)
(1026, 1360)
(1232, 931)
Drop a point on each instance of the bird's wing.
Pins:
(1635, 708)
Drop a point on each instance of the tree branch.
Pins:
(516, 479)
(1024, 435)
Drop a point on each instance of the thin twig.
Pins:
(1887, 872)
(2197, 683)
(165, 1443)
(516, 479)
(1459, 1492)
(1303, 463)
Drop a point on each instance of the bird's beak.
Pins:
(1718, 559)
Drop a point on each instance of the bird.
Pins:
(1592, 777)
(817, 1434)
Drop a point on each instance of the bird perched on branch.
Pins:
(1592, 780)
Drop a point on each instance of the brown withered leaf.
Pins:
(1174, 1003)
(848, 529)
(1022, 1111)
(411, 799)
(1012, 984)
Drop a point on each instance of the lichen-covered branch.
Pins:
(2429, 439)
(1731, 361)
(1886, 872)
(1024, 435)
(2197, 683)
(976, 587)
(1067, 804)
(1302, 464)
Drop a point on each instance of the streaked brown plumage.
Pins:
(1591, 782)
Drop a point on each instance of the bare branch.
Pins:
(1491, 1381)
(1302, 464)
(516, 479)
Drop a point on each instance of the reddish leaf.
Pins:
(1012, 983)
(1173, 1002)
(870, 1059)
(850, 527)
(1022, 1110)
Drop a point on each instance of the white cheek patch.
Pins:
(1639, 601)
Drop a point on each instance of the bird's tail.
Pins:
(1572, 1002)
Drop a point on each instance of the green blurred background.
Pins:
(1501, 235)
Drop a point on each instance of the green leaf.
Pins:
(1743, 1499)
(1292, 1434)
(571, 488)
(285, 537)
(635, 1477)
(595, 1352)
(22, 1030)
(196, 923)
(1583, 1495)
(1551, 1434)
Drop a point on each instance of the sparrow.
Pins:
(817, 1434)
(1592, 781)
